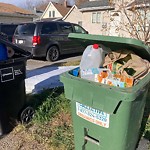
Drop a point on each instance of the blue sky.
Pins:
(14, 2)
(23, 3)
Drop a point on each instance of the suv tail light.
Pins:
(36, 40)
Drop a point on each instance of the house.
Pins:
(39, 10)
(12, 14)
(103, 17)
(55, 10)
(73, 15)
(92, 15)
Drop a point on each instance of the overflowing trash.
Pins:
(110, 98)
(121, 68)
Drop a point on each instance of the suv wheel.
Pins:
(52, 54)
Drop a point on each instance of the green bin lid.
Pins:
(114, 43)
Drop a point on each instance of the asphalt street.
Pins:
(41, 62)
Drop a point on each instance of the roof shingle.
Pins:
(98, 3)
(9, 8)
(61, 8)
(139, 2)
(42, 7)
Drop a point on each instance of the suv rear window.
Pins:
(25, 29)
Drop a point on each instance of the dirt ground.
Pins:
(19, 139)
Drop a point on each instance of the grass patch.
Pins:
(52, 124)
(74, 63)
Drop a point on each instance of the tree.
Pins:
(137, 19)
(30, 4)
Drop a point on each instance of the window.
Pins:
(79, 29)
(66, 28)
(50, 14)
(93, 17)
(25, 29)
(96, 17)
(53, 12)
(49, 28)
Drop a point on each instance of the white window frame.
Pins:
(96, 17)
(50, 14)
(53, 13)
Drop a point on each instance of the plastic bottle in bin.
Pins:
(93, 57)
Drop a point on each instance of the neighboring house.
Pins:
(74, 16)
(55, 10)
(94, 16)
(102, 16)
(12, 14)
(40, 9)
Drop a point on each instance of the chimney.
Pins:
(34, 9)
(65, 3)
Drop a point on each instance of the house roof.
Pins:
(42, 7)
(79, 2)
(12, 9)
(72, 8)
(61, 8)
(139, 2)
(94, 5)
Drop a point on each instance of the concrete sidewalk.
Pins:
(44, 78)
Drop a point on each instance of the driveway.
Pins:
(40, 63)
(43, 74)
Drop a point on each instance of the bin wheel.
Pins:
(27, 115)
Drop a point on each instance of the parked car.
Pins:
(48, 39)
(7, 30)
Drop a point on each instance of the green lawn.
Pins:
(52, 123)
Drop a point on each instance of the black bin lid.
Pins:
(14, 47)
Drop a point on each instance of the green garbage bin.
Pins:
(106, 117)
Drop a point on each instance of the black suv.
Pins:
(48, 39)
(8, 30)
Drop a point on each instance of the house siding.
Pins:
(74, 17)
(11, 19)
(96, 28)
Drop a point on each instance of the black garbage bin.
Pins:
(12, 87)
